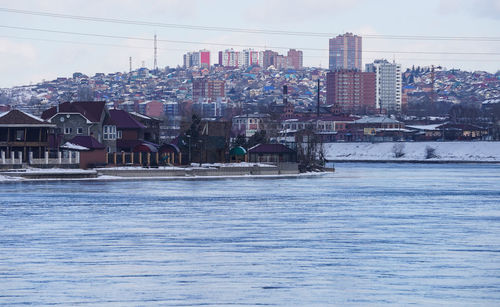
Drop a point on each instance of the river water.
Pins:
(369, 234)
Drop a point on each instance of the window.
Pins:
(19, 135)
(68, 130)
(79, 130)
(119, 134)
(109, 132)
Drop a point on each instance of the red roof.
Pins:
(92, 110)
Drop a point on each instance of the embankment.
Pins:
(443, 152)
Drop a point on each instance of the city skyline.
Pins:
(29, 56)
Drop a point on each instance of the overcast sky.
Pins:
(28, 56)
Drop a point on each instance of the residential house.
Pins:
(81, 118)
(249, 124)
(271, 153)
(128, 132)
(378, 128)
(152, 127)
(24, 133)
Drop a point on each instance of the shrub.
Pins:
(430, 152)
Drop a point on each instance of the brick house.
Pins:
(130, 133)
(92, 153)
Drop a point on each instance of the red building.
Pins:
(269, 58)
(351, 91)
(345, 52)
(294, 58)
(205, 58)
(204, 88)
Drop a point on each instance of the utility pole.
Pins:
(317, 110)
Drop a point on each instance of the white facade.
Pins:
(250, 57)
(388, 85)
(231, 58)
(249, 124)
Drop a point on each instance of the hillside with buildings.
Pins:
(250, 97)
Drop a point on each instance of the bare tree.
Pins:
(310, 151)
(398, 150)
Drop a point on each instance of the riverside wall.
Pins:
(280, 169)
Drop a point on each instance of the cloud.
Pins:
(487, 8)
(279, 11)
(16, 49)
(477, 8)
(140, 10)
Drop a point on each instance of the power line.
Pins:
(244, 30)
(86, 43)
(185, 50)
(240, 45)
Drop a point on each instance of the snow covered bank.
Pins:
(414, 151)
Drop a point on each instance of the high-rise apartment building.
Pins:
(281, 62)
(204, 58)
(351, 91)
(268, 58)
(388, 85)
(345, 52)
(230, 58)
(250, 57)
(294, 59)
(207, 90)
(197, 59)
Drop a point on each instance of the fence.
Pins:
(70, 158)
(140, 158)
(12, 159)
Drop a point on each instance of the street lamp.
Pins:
(189, 146)
(201, 147)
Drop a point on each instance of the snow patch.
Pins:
(415, 151)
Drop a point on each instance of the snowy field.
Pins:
(414, 151)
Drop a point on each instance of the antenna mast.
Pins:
(155, 65)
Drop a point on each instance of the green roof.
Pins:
(237, 151)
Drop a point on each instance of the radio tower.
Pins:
(130, 64)
(155, 65)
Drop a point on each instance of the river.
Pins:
(368, 234)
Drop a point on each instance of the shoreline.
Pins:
(159, 178)
(415, 161)
(414, 152)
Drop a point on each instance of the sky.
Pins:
(28, 56)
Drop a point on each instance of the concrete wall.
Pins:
(92, 158)
(287, 168)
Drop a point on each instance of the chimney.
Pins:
(285, 94)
